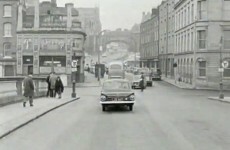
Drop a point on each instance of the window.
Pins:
(192, 41)
(7, 11)
(7, 29)
(7, 49)
(227, 39)
(202, 10)
(202, 39)
(189, 15)
(202, 68)
(192, 12)
(188, 42)
(227, 71)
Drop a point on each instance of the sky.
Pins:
(117, 13)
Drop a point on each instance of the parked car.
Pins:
(117, 92)
(155, 74)
(137, 82)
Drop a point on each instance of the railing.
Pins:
(11, 89)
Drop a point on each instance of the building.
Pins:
(149, 42)
(90, 19)
(8, 37)
(166, 37)
(202, 30)
(49, 38)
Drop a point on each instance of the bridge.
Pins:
(121, 36)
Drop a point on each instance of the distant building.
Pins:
(166, 37)
(49, 38)
(8, 38)
(90, 19)
(149, 42)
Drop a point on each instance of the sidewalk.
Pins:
(181, 85)
(226, 99)
(13, 117)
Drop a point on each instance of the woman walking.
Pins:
(59, 88)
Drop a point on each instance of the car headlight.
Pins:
(132, 97)
(103, 97)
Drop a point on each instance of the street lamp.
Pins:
(99, 52)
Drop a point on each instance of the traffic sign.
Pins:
(225, 64)
(74, 63)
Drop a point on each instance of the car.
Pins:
(155, 74)
(117, 92)
(147, 74)
(136, 82)
(116, 70)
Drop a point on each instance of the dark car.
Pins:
(156, 74)
(117, 92)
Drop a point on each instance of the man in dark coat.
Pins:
(48, 88)
(59, 88)
(142, 84)
(28, 90)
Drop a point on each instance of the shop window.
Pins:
(49, 61)
(227, 39)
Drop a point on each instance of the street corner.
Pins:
(226, 99)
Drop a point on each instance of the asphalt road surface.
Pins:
(164, 118)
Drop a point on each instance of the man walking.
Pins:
(142, 82)
(48, 88)
(53, 79)
(28, 90)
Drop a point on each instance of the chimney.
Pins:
(143, 14)
(54, 3)
(36, 15)
(69, 7)
(154, 12)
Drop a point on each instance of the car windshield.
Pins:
(137, 77)
(115, 66)
(109, 85)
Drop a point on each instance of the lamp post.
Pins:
(221, 95)
(74, 77)
(99, 53)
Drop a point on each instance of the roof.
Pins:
(53, 10)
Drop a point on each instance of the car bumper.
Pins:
(117, 102)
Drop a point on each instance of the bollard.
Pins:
(74, 92)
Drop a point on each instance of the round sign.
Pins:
(225, 64)
(74, 63)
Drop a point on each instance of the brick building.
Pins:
(8, 37)
(48, 39)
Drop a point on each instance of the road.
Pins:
(164, 118)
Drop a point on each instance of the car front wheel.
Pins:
(103, 108)
(131, 107)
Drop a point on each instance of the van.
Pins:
(116, 70)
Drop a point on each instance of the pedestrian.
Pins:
(28, 90)
(59, 88)
(48, 88)
(142, 82)
(53, 79)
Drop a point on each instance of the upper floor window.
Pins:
(7, 49)
(226, 39)
(202, 9)
(7, 11)
(7, 29)
(202, 39)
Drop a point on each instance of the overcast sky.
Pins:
(117, 13)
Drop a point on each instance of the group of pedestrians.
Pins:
(55, 86)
